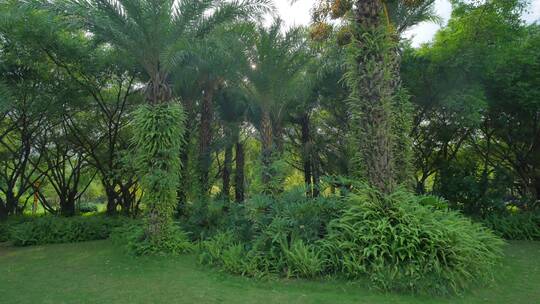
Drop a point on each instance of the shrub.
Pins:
(133, 239)
(515, 226)
(435, 202)
(303, 260)
(281, 237)
(402, 245)
(87, 208)
(51, 229)
(399, 241)
(204, 219)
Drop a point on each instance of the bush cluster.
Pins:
(87, 208)
(133, 239)
(515, 226)
(402, 245)
(271, 235)
(51, 229)
(399, 241)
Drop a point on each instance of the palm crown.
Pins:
(160, 34)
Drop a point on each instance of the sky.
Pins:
(299, 14)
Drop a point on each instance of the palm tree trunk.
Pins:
(306, 154)
(205, 140)
(183, 188)
(375, 85)
(267, 142)
(226, 174)
(239, 173)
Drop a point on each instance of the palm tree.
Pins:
(373, 76)
(276, 60)
(221, 63)
(232, 104)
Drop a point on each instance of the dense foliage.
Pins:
(398, 241)
(515, 226)
(131, 237)
(51, 230)
(402, 245)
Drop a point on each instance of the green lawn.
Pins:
(97, 272)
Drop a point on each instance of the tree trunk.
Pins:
(3, 211)
(205, 140)
(128, 198)
(112, 197)
(11, 201)
(420, 187)
(306, 154)
(267, 141)
(239, 174)
(67, 205)
(315, 174)
(374, 85)
(227, 168)
(183, 188)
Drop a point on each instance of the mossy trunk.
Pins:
(373, 80)
(183, 187)
(157, 135)
(267, 146)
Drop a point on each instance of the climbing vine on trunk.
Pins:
(158, 138)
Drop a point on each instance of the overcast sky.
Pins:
(299, 14)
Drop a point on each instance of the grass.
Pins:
(97, 272)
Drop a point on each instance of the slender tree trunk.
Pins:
(205, 140)
(227, 168)
(239, 173)
(127, 199)
(183, 188)
(420, 186)
(315, 174)
(3, 211)
(306, 154)
(267, 142)
(536, 165)
(11, 201)
(112, 197)
(182, 191)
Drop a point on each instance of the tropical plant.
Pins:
(402, 245)
(277, 60)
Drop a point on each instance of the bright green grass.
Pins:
(97, 272)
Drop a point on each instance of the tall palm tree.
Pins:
(373, 76)
(221, 63)
(276, 59)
